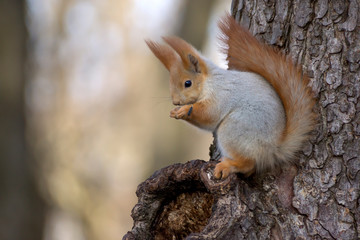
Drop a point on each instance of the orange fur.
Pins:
(164, 53)
(246, 53)
(237, 163)
(200, 116)
(184, 49)
(184, 63)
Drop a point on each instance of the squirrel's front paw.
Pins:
(180, 112)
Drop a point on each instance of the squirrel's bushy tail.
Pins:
(246, 53)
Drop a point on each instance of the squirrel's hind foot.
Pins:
(227, 166)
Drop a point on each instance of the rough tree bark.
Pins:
(318, 198)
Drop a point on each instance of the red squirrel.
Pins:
(260, 109)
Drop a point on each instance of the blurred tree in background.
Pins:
(21, 208)
(85, 111)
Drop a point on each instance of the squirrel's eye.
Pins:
(188, 83)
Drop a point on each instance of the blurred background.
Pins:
(85, 110)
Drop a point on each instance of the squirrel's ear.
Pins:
(164, 53)
(188, 54)
(194, 62)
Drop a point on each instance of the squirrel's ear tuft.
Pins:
(190, 57)
(194, 63)
(164, 53)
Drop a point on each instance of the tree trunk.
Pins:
(318, 198)
(21, 208)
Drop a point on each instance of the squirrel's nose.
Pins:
(176, 102)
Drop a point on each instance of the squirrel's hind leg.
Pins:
(236, 164)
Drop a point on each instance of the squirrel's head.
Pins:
(187, 70)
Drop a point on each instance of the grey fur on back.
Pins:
(251, 115)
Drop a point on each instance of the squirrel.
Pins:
(260, 109)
